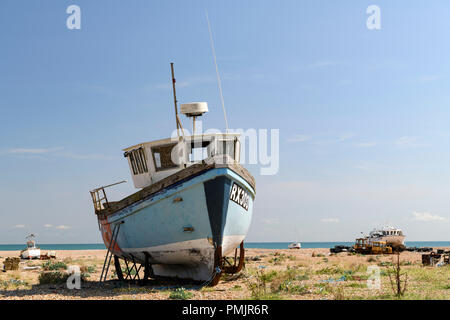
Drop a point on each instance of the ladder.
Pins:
(109, 253)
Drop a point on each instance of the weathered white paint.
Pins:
(182, 155)
(192, 259)
(31, 253)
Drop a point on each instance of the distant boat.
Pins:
(295, 245)
(31, 252)
(392, 236)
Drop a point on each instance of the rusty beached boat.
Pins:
(194, 207)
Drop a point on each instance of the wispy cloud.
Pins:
(19, 226)
(48, 225)
(341, 138)
(429, 78)
(427, 216)
(54, 152)
(307, 138)
(365, 144)
(299, 138)
(408, 142)
(84, 156)
(62, 227)
(32, 150)
(330, 220)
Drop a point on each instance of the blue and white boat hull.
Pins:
(180, 227)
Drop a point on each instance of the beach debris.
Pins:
(343, 278)
(31, 268)
(49, 255)
(255, 258)
(235, 276)
(435, 259)
(341, 248)
(416, 249)
(430, 259)
(11, 263)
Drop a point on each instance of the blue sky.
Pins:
(363, 114)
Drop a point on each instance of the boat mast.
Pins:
(177, 119)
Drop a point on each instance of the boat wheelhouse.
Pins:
(153, 161)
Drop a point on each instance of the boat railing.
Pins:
(99, 197)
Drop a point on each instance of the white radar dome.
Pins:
(194, 109)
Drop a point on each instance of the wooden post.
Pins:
(175, 100)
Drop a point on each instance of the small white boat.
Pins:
(31, 252)
(295, 245)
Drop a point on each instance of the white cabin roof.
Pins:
(152, 161)
(174, 139)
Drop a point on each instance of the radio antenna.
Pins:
(217, 70)
(177, 119)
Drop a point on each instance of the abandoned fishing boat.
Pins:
(194, 207)
(31, 251)
(393, 237)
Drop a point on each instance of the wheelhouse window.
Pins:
(226, 146)
(162, 157)
(199, 151)
(138, 161)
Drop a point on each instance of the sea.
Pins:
(248, 245)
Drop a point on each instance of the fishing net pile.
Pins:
(11, 263)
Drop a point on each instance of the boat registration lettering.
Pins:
(240, 196)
